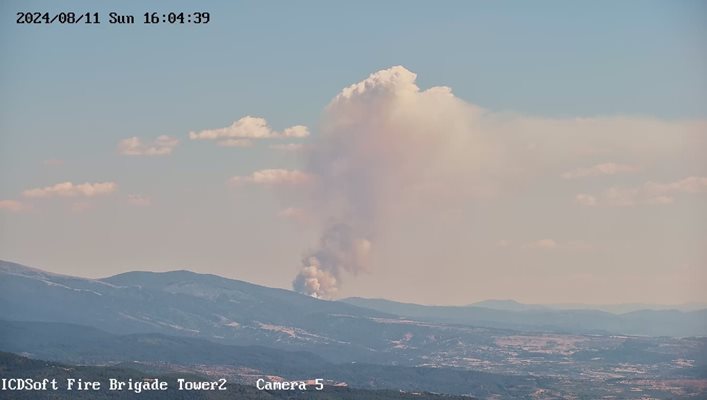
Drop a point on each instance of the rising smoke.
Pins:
(384, 146)
(340, 250)
(380, 141)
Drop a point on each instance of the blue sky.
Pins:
(71, 93)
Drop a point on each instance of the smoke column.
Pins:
(387, 152)
(380, 141)
(338, 251)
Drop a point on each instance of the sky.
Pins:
(551, 152)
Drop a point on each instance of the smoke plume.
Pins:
(340, 250)
(387, 152)
(380, 142)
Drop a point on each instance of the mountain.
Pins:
(230, 312)
(236, 312)
(507, 305)
(512, 315)
(189, 304)
(512, 305)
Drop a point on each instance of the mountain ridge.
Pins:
(238, 312)
(640, 322)
(495, 304)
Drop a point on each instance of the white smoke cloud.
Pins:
(381, 140)
(386, 147)
(339, 250)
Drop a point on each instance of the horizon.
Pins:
(473, 303)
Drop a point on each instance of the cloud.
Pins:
(292, 212)
(692, 184)
(250, 127)
(53, 162)
(68, 189)
(13, 206)
(161, 146)
(551, 244)
(543, 244)
(585, 200)
(295, 214)
(139, 200)
(290, 147)
(81, 206)
(600, 169)
(235, 143)
(297, 131)
(650, 193)
(578, 245)
(274, 177)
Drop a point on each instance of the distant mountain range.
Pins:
(192, 322)
(512, 305)
(512, 315)
(237, 312)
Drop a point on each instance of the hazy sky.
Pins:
(545, 152)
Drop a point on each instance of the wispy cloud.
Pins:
(585, 200)
(600, 169)
(287, 146)
(241, 132)
(648, 193)
(53, 162)
(68, 189)
(552, 244)
(13, 206)
(543, 244)
(134, 146)
(139, 200)
(294, 214)
(273, 177)
(235, 143)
